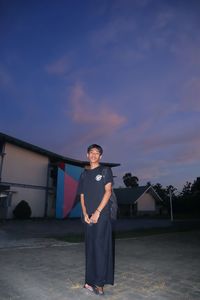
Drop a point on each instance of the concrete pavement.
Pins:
(157, 267)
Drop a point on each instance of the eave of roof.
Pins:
(129, 195)
(132, 195)
(152, 191)
(54, 158)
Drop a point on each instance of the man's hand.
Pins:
(95, 216)
(86, 218)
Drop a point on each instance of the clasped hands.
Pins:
(93, 219)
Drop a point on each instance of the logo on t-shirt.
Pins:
(98, 177)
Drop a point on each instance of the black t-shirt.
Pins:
(92, 184)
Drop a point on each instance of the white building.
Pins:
(141, 200)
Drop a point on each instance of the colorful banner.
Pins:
(67, 183)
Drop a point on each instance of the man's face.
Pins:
(94, 155)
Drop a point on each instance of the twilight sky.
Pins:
(121, 73)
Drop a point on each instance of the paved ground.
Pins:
(33, 267)
(19, 233)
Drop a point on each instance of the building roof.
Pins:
(132, 195)
(54, 157)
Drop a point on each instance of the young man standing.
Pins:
(95, 188)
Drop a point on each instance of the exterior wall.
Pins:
(146, 203)
(34, 197)
(24, 166)
(27, 168)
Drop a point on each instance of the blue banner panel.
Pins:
(60, 194)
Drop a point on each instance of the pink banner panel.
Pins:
(70, 188)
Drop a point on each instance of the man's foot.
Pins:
(88, 287)
(98, 290)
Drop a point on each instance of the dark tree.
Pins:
(172, 189)
(130, 180)
(186, 191)
(188, 202)
(195, 188)
(160, 190)
(164, 195)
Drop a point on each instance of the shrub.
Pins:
(22, 210)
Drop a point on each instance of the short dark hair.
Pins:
(99, 148)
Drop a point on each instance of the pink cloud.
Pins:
(85, 111)
(189, 155)
(155, 169)
(95, 121)
(160, 141)
(183, 156)
(152, 171)
(58, 67)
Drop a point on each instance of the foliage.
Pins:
(189, 199)
(130, 180)
(22, 210)
(160, 190)
(164, 194)
(195, 187)
(186, 191)
(186, 202)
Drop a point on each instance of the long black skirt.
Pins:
(99, 253)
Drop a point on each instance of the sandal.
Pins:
(88, 287)
(98, 290)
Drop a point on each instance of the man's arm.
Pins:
(104, 201)
(86, 217)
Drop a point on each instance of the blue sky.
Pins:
(124, 74)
